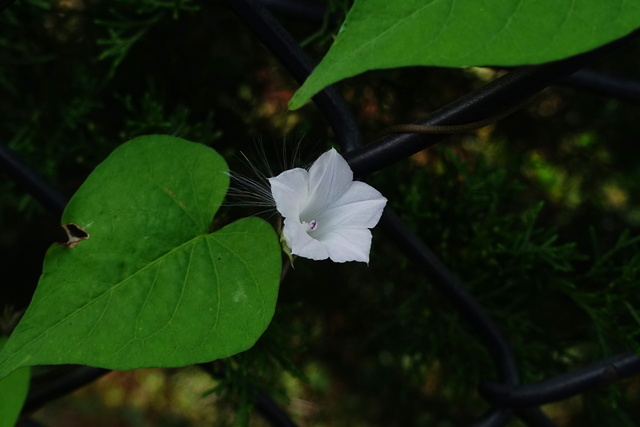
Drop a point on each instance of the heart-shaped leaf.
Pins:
(449, 33)
(143, 282)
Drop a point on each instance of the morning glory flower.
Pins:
(326, 213)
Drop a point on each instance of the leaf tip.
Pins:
(297, 100)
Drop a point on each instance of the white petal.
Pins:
(343, 210)
(349, 244)
(360, 206)
(301, 243)
(289, 190)
(329, 177)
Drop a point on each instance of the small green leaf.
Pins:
(151, 286)
(13, 392)
(449, 33)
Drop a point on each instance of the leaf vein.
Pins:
(242, 260)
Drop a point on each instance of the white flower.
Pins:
(326, 213)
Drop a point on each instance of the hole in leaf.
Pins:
(75, 233)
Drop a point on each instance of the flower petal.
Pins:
(329, 177)
(290, 190)
(360, 206)
(327, 214)
(300, 243)
(348, 244)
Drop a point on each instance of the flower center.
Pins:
(311, 225)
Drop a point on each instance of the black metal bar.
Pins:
(31, 181)
(471, 312)
(300, 10)
(446, 283)
(58, 386)
(605, 84)
(26, 422)
(566, 385)
(271, 412)
(496, 96)
(464, 303)
(534, 417)
(295, 60)
(495, 417)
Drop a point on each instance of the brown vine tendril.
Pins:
(449, 129)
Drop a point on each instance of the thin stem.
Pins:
(286, 267)
(450, 129)
(566, 385)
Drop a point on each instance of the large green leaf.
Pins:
(451, 33)
(13, 392)
(151, 286)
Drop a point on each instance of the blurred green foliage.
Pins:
(538, 215)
